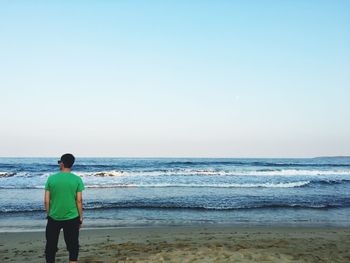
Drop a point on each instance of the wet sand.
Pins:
(189, 244)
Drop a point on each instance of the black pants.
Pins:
(71, 237)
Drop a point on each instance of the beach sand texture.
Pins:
(189, 244)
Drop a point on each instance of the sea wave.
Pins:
(132, 205)
(111, 173)
(257, 163)
(295, 172)
(242, 185)
(177, 185)
(214, 172)
(137, 204)
(6, 174)
(191, 172)
(293, 184)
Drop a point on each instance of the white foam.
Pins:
(265, 185)
(191, 172)
(111, 173)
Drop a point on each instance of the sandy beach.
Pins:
(189, 244)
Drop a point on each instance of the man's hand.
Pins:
(47, 201)
(79, 203)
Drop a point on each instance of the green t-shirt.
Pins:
(63, 188)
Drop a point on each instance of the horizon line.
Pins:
(186, 157)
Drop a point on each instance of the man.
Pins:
(63, 204)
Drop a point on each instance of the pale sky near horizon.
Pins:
(175, 78)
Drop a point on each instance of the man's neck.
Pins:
(66, 170)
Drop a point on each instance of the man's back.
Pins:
(63, 188)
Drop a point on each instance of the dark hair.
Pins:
(68, 160)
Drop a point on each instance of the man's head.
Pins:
(66, 161)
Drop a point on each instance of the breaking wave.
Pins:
(293, 184)
(170, 204)
(208, 172)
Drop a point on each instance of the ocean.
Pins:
(129, 192)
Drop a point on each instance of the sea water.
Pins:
(128, 192)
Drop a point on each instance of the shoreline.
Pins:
(169, 218)
(190, 226)
(189, 243)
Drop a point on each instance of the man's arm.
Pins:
(47, 201)
(79, 202)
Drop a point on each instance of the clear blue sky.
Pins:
(175, 78)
